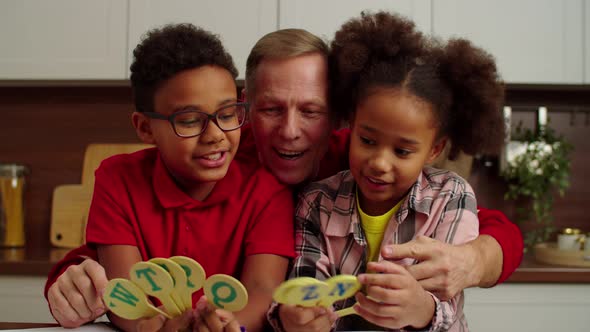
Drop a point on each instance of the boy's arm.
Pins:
(73, 257)
(74, 287)
(260, 281)
(117, 261)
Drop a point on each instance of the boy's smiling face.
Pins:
(196, 163)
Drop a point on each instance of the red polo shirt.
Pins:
(136, 202)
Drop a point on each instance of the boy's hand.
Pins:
(160, 323)
(76, 296)
(313, 319)
(394, 298)
(210, 319)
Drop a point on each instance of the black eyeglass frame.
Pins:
(210, 117)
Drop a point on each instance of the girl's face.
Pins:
(393, 137)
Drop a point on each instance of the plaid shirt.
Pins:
(329, 239)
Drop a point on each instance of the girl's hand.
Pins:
(210, 319)
(394, 298)
(160, 323)
(313, 319)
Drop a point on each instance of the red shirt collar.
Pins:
(171, 196)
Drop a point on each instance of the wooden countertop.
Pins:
(32, 261)
(29, 261)
(18, 326)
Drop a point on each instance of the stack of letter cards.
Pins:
(310, 292)
(173, 281)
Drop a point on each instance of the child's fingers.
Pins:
(296, 315)
(391, 281)
(232, 326)
(208, 315)
(226, 316)
(376, 310)
(296, 318)
(375, 313)
(153, 324)
(380, 294)
(386, 267)
(179, 323)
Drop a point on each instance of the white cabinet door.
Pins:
(63, 39)
(528, 308)
(238, 23)
(325, 17)
(534, 41)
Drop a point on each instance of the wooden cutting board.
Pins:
(97, 152)
(69, 213)
(69, 209)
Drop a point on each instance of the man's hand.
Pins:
(445, 269)
(299, 319)
(76, 296)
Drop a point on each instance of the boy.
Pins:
(187, 196)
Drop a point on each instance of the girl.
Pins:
(406, 97)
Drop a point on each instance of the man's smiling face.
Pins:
(289, 116)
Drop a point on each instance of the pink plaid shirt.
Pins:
(329, 239)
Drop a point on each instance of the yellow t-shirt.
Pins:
(374, 228)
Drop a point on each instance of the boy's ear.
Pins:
(142, 127)
(437, 149)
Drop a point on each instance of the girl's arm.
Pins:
(400, 300)
(310, 249)
(456, 224)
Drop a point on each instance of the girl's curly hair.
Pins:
(459, 80)
(164, 52)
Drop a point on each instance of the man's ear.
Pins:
(142, 127)
(436, 150)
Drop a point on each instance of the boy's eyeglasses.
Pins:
(191, 123)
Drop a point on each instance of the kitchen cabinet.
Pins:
(528, 307)
(534, 41)
(63, 39)
(238, 23)
(323, 18)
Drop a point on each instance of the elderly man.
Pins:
(293, 133)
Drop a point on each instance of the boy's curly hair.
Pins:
(459, 80)
(164, 52)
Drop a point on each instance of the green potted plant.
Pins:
(537, 167)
